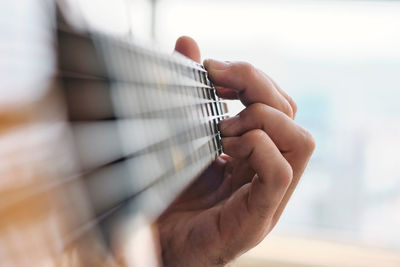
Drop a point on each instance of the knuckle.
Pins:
(255, 137)
(284, 176)
(245, 69)
(287, 109)
(254, 111)
(308, 142)
(257, 108)
(294, 105)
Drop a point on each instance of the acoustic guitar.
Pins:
(98, 135)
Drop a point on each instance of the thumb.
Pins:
(188, 47)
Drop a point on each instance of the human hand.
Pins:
(237, 201)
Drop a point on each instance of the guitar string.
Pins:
(80, 231)
(41, 189)
(208, 110)
(172, 172)
(47, 187)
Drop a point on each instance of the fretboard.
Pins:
(146, 119)
(139, 126)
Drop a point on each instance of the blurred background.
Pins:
(340, 60)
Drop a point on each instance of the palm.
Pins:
(203, 218)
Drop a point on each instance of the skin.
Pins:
(237, 201)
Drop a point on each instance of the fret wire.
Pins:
(194, 117)
(215, 105)
(156, 102)
(213, 96)
(179, 73)
(204, 107)
(201, 114)
(208, 132)
(196, 78)
(209, 107)
(218, 105)
(200, 77)
(213, 140)
(199, 131)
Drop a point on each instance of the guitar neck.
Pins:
(137, 127)
(157, 113)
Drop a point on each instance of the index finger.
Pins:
(251, 84)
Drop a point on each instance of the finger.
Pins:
(284, 132)
(274, 174)
(296, 143)
(226, 93)
(188, 47)
(251, 85)
(285, 95)
(242, 174)
(239, 172)
(299, 164)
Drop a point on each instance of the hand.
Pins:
(237, 201)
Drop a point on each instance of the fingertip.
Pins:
(188, 47)
(220, 161)
(212, 64)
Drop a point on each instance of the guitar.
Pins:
(98, 136)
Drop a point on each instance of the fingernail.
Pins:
(225, 124)
(215, 64)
